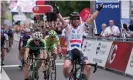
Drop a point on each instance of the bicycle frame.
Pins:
(75, 69)
(33, 68)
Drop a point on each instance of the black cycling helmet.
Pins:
(74, 15)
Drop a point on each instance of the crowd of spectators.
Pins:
(108, 31)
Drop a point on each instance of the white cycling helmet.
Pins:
(27, 30)
(37, 35)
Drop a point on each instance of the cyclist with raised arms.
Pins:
(74, 34)
(35, 46)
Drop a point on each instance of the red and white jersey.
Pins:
(74, 37)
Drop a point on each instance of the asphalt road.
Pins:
(14, 73)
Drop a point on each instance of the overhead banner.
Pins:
(110, 11)
(119, 55)
(129, 69)
(96, 51)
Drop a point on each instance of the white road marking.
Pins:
(4, 76)
(10, 66)
(59, 64)
(6, 66)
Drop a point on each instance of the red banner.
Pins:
(63, 45)
(40, 2)
(41, 9)
(119, 55)
(84, 14)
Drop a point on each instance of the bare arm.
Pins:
(45, 54)
(62, 20)
(60, 16)
(94, 15)
(26, 53)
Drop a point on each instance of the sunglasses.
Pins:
(75, 18)
(36, 40)
(52, 36)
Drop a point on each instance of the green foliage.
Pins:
(67, 7)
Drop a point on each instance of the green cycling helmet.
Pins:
(52, 33)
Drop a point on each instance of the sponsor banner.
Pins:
(88, 49)
(96, 51)
(129, 69)
(119, 55)
(113, 8)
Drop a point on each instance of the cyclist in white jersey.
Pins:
(74, 35)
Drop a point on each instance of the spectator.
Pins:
(59, 30)
(112, 30)
(131, 25)
(125, 31)
(103, 30)
(86, 32)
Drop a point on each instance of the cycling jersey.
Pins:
(52, 43)
(4, 37)
(74, 36)
(10, 33)
(30, 44)
(24, 39)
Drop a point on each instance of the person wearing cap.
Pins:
(22, 43)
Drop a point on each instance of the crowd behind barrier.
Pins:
(108, 53)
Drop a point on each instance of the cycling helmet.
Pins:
(74, 15)
(52, 33)
(37, 35)
(27, 30)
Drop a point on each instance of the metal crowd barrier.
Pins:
(111, 39)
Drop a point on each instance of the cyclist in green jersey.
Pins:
(53, 42)
(35, 46)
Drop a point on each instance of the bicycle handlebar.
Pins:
(94, 65)
(37, 59)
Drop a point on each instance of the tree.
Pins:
(67, 7)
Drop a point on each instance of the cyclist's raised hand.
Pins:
(56, 8)
(100, 6)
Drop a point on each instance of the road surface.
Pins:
(11, 70)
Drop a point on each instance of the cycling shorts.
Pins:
(75, 54)
(35, 52)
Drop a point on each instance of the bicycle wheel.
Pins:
(46, 75)
(72, 78)
(22, 63)
(83, 77)
(36, 75)
(46, 72)
(31, 73)
(53, 70)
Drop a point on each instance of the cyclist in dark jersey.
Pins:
(4, 45)
(22, 43)
(34, 47)
(10, 35)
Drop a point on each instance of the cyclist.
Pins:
(10, 34)
(74, 34)
(4, 44)
(53, 43)
(37, 46)
(22, 43)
